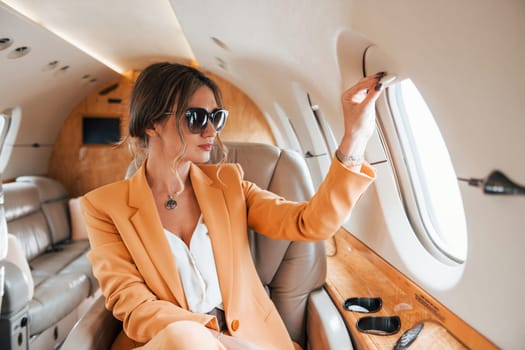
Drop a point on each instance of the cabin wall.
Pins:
(82, 168)
(467, 60)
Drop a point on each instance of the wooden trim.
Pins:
(354, 270)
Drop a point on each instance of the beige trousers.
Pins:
(184, 335)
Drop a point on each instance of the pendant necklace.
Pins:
(170, 203)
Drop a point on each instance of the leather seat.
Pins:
(48, 278)
(292, 272)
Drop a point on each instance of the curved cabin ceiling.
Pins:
(126, 35)
(41, 88)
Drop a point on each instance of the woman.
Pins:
(169, 246)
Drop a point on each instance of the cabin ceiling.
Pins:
(273, 50)
(126, 35)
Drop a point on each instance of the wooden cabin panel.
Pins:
(246, 122)
(354, 270)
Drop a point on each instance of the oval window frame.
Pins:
(391, 127)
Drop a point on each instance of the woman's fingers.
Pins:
(373, 94)
(362, 90)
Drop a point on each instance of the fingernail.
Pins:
(378, 87)
(379, 75)
(387, 79)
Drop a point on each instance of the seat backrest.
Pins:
(54, 202)
(288, 270)
(25, 218)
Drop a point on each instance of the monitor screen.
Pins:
(100, 130)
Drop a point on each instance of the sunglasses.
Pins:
(198, 118)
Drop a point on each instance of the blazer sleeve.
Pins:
(317, 219)
(127, 295)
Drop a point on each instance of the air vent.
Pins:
(107, 90)
(221, 63)
(62, 70)
(5, 43)
(220, 43)
(50, 66)
(19, 52)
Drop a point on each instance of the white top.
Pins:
(197, 269)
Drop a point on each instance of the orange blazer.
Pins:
(136, 270)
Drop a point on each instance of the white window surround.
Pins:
(397, 241)
(12, 118)
(290, 139)
(310, 135)
(426, 179)
(324, 127)
(5, 120)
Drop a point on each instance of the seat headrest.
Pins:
(48, 188)
(267, 166)
(20, 199)
(257, 160)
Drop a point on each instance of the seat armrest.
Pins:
(15, 288)
(324, 325)
(96, 330)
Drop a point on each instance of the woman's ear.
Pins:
(152, 131)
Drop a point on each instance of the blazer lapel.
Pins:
(217, 219)
(149, 228)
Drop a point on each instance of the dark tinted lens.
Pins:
(197, 119)
(219, 119)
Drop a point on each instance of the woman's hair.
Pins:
(163, 88)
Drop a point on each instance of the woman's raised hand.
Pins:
(358, 104)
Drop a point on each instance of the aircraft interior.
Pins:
(429, 258)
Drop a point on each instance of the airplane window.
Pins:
(4, 124)
(432, 197)
(9, 123)
(328, 136)
(290, 140)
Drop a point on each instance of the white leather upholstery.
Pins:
(47, 276)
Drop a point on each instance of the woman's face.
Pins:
(168, 142)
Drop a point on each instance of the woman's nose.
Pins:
(209, 131)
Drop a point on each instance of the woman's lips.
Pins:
(206, 147)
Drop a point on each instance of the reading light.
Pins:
(496, 183)
(5, 43)
(19, 52)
